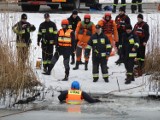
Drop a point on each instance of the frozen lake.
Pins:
(112, 109)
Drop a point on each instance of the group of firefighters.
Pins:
(76, 36)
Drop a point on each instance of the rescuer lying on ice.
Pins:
(75, 95)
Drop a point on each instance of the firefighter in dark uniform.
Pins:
(129, 50)
(101, 48)
(123, 4)
(73, 21)
(75, 96)
(64, 47)
(23, 40)
(121, 20)
(47, 36)
(134, 5)
(141, 29)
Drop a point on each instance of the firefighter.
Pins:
(64, 47)
(73, 21)
(141, 29)
(109, 28)
(75, 95)
(123, 4)
(23, 40)
(47, 36)
(121, 20)
(134, 5)
(101, 47)
(130, 43)
(84, 31)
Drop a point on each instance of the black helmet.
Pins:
(23, 16)
(129, 27)
(74, 12)
(46, 15)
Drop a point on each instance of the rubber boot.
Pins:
(140, 8)
(86, 65)
(106, 79)
(95, 79)
(73, 59)
(66, 75)
(44, 67)
(129, 79)
(133, 8)
(114, 9)
(50, 66)
(77, 66)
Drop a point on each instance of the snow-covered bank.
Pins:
(139, 87)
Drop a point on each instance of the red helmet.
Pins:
(87, 16)
(107, 14)
(65, 22)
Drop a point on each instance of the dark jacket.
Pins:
(85, 96)
(144, 28)
(100, 44)
(129, 41)
(47, 33)
(23, 29)
(73, 22)
(122, 21)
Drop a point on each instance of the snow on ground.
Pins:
(117, 73)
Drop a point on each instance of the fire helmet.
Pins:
(65, 22)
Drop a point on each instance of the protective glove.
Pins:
(107, 53)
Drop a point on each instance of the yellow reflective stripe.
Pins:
(136, 44)
(45, 62)
(96, 75)
(43, 30)
(21, 44)
(114, 4)
(58, 0)
(64, 38)
(51, 41)
(105, 75)
(131, 41)
(108, 46)
(50, 30)
(103, 54)
(119, 46)
(28, 29)
(88, 47)
(141, 59)
(74, 102)
(70, 26)
(102, 41)
(138, 58)
(95, 41)
(132, 54)
(49, 61)
(139, 3)
(129, 73)
(39, 33)
(55, 32)
(123, 4)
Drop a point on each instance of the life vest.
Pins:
(108, 27)
(139, 30)
(74, 97)
(64, 39)
(120, 21)
(86, 28)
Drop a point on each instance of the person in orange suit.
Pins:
(85, 29)
(109, 28)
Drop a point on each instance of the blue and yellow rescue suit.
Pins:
(47, 35)
(101, 48)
